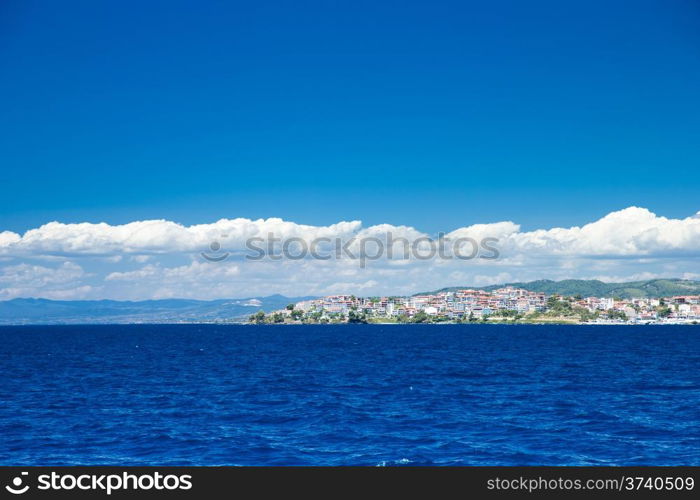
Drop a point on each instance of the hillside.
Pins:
(596, 288)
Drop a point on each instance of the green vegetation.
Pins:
(507, 314)
(613, 314)
(663, 311)
(258, 317)
(356, 317)
(562, 308)
(595, 288)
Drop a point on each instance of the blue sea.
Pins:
(350, 395)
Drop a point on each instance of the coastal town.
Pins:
(503, 305)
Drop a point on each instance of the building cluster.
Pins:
(507, 301)
(677, 308)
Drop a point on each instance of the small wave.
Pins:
(393, 463)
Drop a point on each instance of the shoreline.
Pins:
(372, 323)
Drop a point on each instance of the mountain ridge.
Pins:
(47, 311)
(595, 288)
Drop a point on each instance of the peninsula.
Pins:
(506, 304)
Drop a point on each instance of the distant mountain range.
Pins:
(43, 311)
(595, 288)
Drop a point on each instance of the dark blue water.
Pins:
(453, 394)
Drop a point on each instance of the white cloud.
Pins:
(8, 237)
(350, 287)
(34, 275)
(630, 232)
(157, 236)
(158, 258)
(29, 280)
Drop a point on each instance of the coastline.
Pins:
(504, 305)
(345, 323)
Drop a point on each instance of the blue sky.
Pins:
(431, 114)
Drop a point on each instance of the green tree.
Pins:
(663, 311)
(258, 317)
(584, 314)
(615, 314)
(420, 317)
(356, 317)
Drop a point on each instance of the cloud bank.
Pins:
(160, 258)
